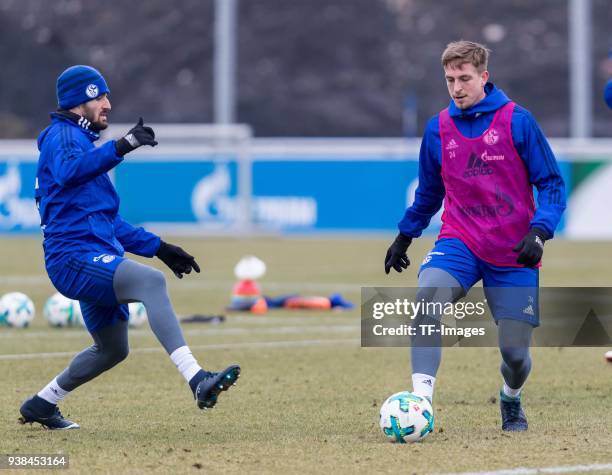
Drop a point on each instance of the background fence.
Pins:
(233, 184)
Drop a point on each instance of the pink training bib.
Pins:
(489, 200)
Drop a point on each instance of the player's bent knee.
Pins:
(440, 295)
(116, 355)
(515, 358)
(123, 353)
(154, 279)
(425, 294)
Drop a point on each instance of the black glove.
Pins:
(396, 254)
(178, 260)
(137, 136)
(531, 248)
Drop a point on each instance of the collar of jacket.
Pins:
(90, 130)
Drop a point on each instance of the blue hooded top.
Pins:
(529, 142)
(77, 202)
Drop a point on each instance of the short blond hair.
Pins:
(461, 52)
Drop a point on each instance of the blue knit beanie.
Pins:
(79, 84)
(608, 94)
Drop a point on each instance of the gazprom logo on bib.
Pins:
(91, 91)
(485, 157)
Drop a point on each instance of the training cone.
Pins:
(260, 306)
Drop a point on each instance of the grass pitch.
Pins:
(308, 397)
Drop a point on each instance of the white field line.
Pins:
(24, 279)
(213, 346)
(210, 331)
(291, 287)
(536, 471)
(276, 316)
(287, 287)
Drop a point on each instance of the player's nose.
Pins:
(106, 104)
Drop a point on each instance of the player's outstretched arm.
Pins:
(427, 201)
(72, 164)
(137, 136)
(176, 259)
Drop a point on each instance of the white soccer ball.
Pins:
(406, 417)
(60, 311)
(16, 310)
(138, 314)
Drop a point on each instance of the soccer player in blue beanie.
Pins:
(84, 243)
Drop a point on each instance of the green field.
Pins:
(308, 397)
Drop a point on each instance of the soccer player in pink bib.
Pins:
(481, 157)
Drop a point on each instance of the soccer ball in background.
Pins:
(406, 417)
(60, 311)
(16, 310)
(138, 314)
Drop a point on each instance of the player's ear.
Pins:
(484, 77)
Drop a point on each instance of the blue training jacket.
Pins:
(530, 144)
(77, 202)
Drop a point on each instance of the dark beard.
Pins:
(93, 126)
(98, 126)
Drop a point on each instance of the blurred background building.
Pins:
(333, 96)
(305, 68)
